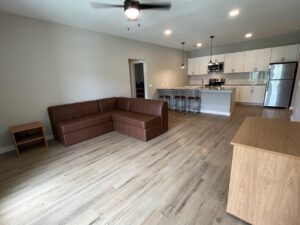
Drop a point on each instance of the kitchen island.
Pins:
(214, 100)
(265, 180)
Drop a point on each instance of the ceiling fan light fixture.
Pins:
(132, 13)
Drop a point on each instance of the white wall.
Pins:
(44, 64)
(296, 109)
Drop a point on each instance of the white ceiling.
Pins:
(192, 21)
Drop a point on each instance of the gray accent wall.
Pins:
(288, 39)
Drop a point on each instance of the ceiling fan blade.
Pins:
(97, 5)
(159, 6)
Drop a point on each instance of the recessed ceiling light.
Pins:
(168, 32)
(248, 35)
(234, 12)
(198, 45)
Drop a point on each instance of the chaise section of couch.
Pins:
(139, 118)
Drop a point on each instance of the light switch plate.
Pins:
(150, 85)
(299, 84)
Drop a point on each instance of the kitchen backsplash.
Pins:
(235, 78)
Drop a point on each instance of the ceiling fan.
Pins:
(132, 8)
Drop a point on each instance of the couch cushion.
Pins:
(83, 122)
(146, 106)
(135, 119)
(123, 104)
(107, 104)
(73, 111)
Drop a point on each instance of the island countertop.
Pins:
(275, 136)
(205, 89)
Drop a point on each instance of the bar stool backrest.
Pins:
(197, 92)
(160, 93)
(168, 92)
(179, 93)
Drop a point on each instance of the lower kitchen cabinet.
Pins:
(250, 94)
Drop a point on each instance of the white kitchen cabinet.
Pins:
(257, 60)
(250, 94)
(290, 53)
(250, 61)
(204, 65)
(194, 66)
(239, 62)
(245, 94)
(258, 94)
(263, 59)
(218, 58)
(229, 63)
(285, 53)
(234, 62)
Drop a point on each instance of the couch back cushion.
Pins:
(73, 111)
(146, 106)
(107, 104)
(123, 103)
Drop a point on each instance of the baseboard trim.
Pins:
(12, 147)
(215, 112)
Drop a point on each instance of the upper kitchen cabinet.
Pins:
(285, 53)
(257, 60)
(250, 61)
(234, 62)
(263, 59)
(194, 66)
(218, 58)
(204, 65)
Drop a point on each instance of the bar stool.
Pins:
(179, 101)
(164, 94)
(193, 97)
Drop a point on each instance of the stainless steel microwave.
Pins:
(216, 67)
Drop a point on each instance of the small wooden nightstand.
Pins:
(28, 134)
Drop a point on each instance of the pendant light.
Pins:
(182, 64)
(211, 45)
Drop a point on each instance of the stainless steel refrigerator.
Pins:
(280, 84)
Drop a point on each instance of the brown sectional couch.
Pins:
(139, 118)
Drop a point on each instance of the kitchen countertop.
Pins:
(244, 85)
(206, 89)
(274, 136)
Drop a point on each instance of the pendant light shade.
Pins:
(182, 63)
(211, 45)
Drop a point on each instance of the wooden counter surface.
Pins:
(276, 136)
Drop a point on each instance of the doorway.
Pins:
(138, 79)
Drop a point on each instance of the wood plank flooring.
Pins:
(180, 177)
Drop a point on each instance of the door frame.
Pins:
(132, 62)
